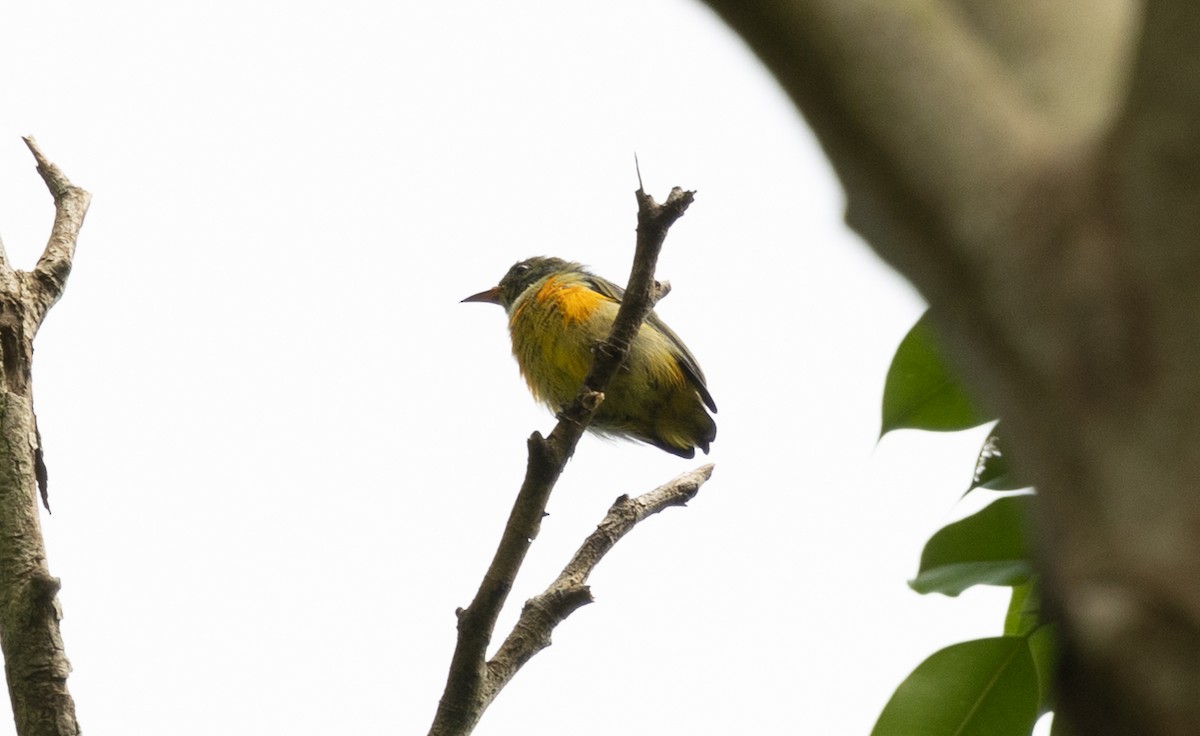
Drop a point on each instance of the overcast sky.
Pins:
(281, 452)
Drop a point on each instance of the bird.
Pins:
(558, 312)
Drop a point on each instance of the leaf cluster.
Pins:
(998, 686)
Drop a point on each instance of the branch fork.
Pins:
(36, 666)
(474, 681)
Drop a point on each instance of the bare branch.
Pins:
(70, 207)
(464, 698)
(569, 591)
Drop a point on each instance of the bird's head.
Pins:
(520, 277)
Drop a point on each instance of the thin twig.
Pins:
(569, 591)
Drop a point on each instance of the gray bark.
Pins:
(35, 662)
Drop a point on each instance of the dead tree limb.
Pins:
(35, 663)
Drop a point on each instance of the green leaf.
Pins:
(990, 547)
(986, 687)
(1043, 647)
(920, 392)
(1024, 609)
(953, 579)
(993, 469)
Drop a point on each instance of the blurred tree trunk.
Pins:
(1034, 168)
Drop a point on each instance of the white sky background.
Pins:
(281, 452)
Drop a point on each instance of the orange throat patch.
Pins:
(574, 301)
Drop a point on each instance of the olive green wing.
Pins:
(687, 361)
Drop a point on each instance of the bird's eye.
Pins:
(521, 267)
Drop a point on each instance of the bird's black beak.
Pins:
(491, 296)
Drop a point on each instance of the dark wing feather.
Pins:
(687, 361)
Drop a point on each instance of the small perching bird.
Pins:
(558, 312)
